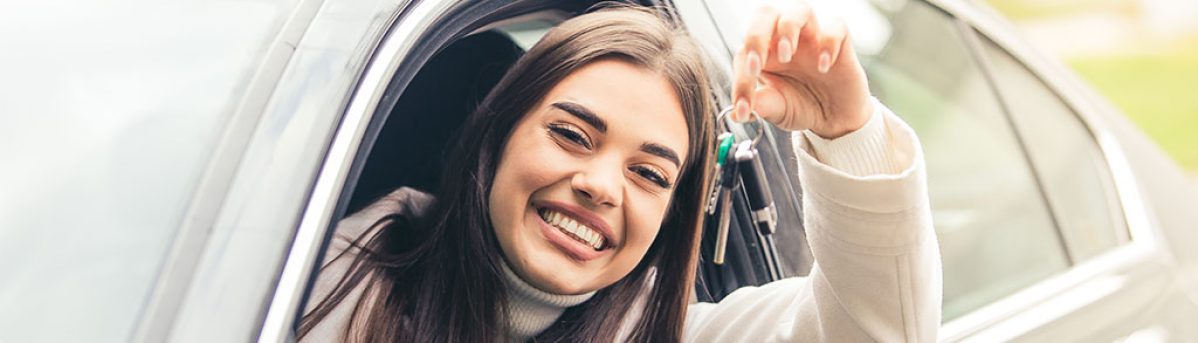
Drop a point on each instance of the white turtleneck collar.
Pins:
(530, 310)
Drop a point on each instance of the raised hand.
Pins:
(800, 72)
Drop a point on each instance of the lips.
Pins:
(577, 232)
(572, 227)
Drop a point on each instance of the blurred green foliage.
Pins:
(1157, 91)
(1155, 87)
(1038, 9)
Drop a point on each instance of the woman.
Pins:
(574, 213)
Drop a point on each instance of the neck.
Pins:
(531, 310)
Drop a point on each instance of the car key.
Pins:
(728, 178)
(724, 144)
(757, 190)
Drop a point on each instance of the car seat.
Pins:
(411, 146)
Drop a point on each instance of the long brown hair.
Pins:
(439, 278)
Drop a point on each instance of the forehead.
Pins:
(637, 103)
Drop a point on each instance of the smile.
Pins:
(573, 228)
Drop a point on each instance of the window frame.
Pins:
(330, 192)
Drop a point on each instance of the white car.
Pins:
(172, 170)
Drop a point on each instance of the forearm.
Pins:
(869, 223)
(877, 272)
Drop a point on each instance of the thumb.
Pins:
(770, 104)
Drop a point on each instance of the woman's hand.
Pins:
(811, 77)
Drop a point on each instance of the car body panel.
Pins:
(274, 175)
(131, 96)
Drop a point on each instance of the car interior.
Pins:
(409, 148)
(408, 151)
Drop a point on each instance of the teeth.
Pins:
(578, 231)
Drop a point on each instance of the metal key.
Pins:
(724, 144)
(728, 178)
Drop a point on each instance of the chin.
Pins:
(546, 258)
(549, 270)
(558, 281)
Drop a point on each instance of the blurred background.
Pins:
(1141, 54)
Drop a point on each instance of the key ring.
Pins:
(752, 114)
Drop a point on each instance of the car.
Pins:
(174, 170)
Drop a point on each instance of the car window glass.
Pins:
(996, 232)
(110, 111)
(1066, 156)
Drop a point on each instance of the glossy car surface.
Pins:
(172, 170)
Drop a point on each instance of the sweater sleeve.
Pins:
(877, 272)
(352, 232)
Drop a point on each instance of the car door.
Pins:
(136, 136)
(221, 272)
(1123, 281)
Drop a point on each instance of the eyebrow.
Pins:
(583, 113)
(590, 118)
(663, 152)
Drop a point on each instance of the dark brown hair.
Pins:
(439, 277)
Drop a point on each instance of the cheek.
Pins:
(530, 164)
(526, 166)
(644, 222)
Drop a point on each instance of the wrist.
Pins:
(848, 122)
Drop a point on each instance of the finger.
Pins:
(743, 85)
(771, 104)
(751, 59)
(833, 37)
(788, 30)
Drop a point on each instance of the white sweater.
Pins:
(877, 275)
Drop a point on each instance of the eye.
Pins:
(570, 133)
(653, 176)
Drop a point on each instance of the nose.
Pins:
(599, 186)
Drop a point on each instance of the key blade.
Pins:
(721, 236)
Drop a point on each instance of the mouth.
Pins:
(575, 231)
(574, 228)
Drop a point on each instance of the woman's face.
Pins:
(586, 177)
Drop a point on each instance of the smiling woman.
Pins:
(596, 153)
(572, 204)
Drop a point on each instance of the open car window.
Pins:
(401, 124)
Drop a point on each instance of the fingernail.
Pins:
(742, 110)
(754, 62)
(825, 62)
(784, 51)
